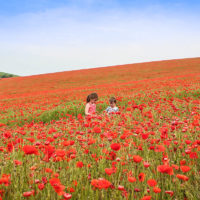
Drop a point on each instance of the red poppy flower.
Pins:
(48, 170)
(156, 190)
(100, 183)
(17, 162)
(97, 129)
(10, 147)
(137, 158)
(131, 179)
(1, 124)
(146, 198)
(166, 169)
(182, 177)
(58, 187)
(145, 136)
(72, 142)
(5, 179)
(110, 171)
(79, 164)
(185, 168)
(60, 153)
(44, 180)
(115, 146)
(54, 181)
(28, 149)
(182, 162)
(141, 177)
(7, 134)
(41, 186)
(152, 182)
(159, 148)
(71, 189)
(193, 155)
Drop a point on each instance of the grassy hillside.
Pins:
(6, 75)
(149, 150)
(48, 97)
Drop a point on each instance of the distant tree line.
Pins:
(6, 75)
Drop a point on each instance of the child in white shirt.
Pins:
(112, 108)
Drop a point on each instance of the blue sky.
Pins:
(42, 36)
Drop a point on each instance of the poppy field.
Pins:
(150, 149)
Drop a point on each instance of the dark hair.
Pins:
(112, 100)
(92, 96)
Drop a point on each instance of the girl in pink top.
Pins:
(90, 108)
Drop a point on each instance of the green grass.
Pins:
(73, 108)
(6, 75)
(183, 94)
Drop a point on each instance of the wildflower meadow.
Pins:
(150, 149)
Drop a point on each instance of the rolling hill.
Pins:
(148, 150)
(6, 75)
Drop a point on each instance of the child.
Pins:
(90, 108)
(112, 108)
